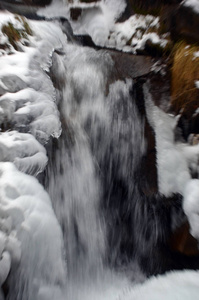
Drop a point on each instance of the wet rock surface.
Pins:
(182, 22)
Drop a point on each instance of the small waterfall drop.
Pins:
(82, 122)
(97, 153)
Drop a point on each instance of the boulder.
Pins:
(129, 66)
(75, 13)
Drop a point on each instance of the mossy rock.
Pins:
(15, 35)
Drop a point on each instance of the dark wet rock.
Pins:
(89, 1)
(58, 78)
(26, 8)
(127, 13)
(182, 22)
(29, 2)
(129, 66)
(160, 85)
(194, 124)
(37, 2)
(86, 40)
(149, 6)
(65, 26)
(182, 241)
(188, 126)
(15, 8)
(2, 90)
(75, 13)
(148, 169)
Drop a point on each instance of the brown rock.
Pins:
(75, 13)
(182, 22)
(130, 66)
(182, 241)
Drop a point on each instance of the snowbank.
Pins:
(29, 223)
(175, 285)
(194, 4)
(30, 236)
(28, 99)
(23, 149)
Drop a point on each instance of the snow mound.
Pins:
(34, 226)
(30, 237)
(32, 111)
(28, 96)
(173, 286)
(191, 206)
(133, 34)
(23, 149)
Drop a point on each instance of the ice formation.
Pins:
(27, 220)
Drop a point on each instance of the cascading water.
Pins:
(98, 152)
(108, 224)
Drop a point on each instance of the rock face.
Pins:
(89, 1)
(149, 6)
(130, 66)
(12, 5)
(37, 2)
(182, 22)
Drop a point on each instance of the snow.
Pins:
(134, 32)
(175, 160)
(173, 286)
(99, 21)
(27, 220)
(128, 36)
(196, 84)
(196, 54)
(191, 206)
(194, 4)
(29, 96)
(24, 150)
(33, 219)
(173, 171)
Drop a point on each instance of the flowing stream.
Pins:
(98, 152)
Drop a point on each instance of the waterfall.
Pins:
(98, 152)
(90, 133)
